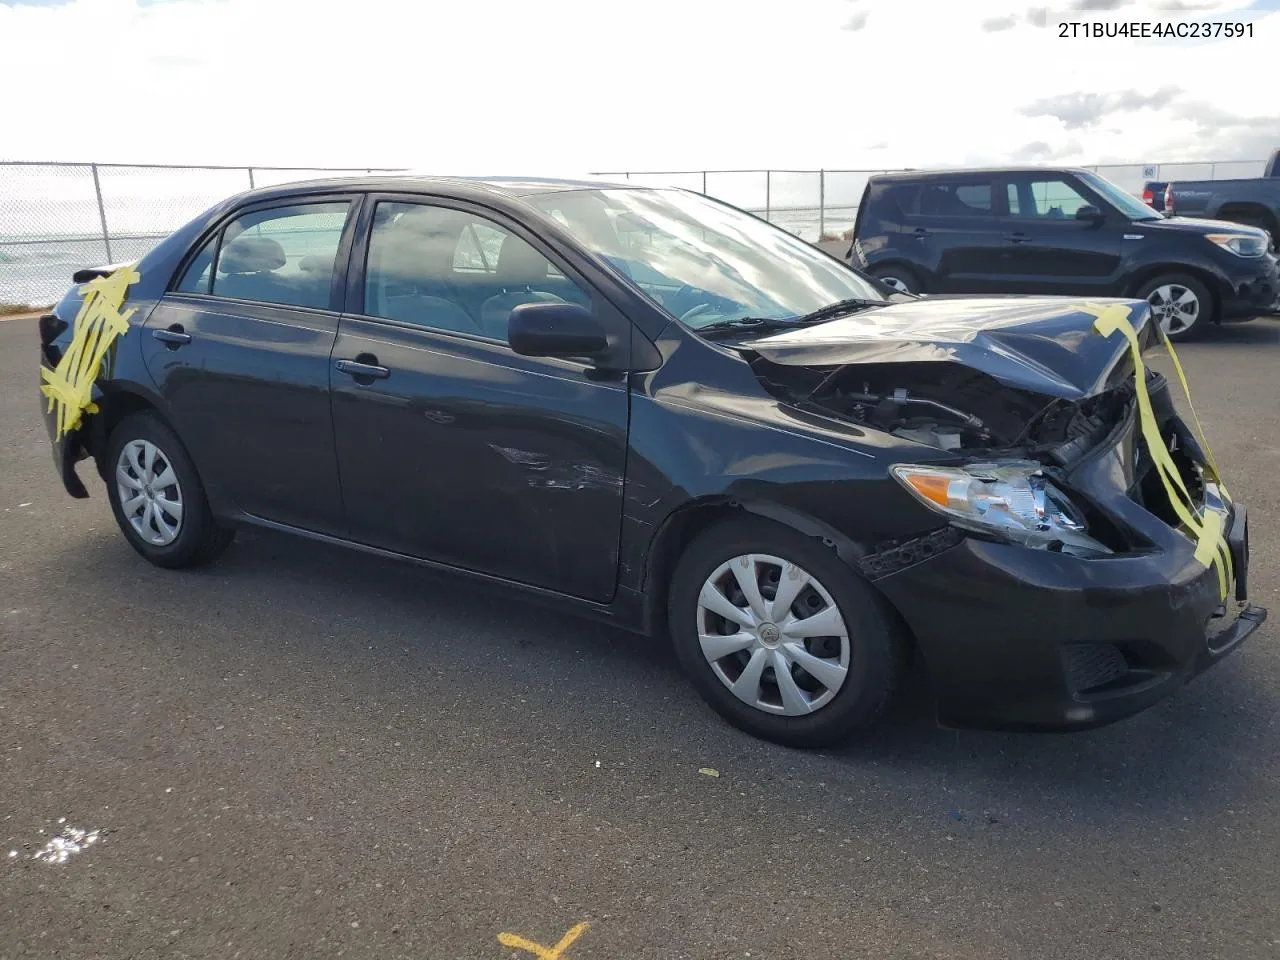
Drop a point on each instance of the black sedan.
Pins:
(667, 413)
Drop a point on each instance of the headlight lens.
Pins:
(1011, 499)
(1241, 244)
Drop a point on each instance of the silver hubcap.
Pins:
(896, 283)
(150, 495)
(1175, 307)
(773, 635)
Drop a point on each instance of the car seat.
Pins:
(520, 269)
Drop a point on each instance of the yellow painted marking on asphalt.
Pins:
(69, 386)
(537, 949)
(1206, 527)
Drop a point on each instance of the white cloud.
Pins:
(513, 86)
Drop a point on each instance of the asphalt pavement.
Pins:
(304, 752)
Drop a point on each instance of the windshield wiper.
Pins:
(757, 324)
(765, 324)
(839, 309)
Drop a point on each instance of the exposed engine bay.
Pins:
(955, 408)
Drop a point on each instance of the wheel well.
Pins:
(688, 522)
(1253, 211)
(897, 266)
(1147, 274)
(675, 534)
(112, 409)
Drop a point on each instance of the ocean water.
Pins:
(38, 270)
(51, 215)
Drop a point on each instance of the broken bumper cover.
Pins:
(1020, 639)
(67, 451)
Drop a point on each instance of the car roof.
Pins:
(973, 171)
(511, 186)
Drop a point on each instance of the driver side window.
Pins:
(454, 271)
(1044, 200)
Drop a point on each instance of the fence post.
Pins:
(1213, 167)
(102, 211)
(251, 183)
(768, 190)
(822, 204)
(704, 183)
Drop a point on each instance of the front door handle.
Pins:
(363, 371)
(921, 233)
(1018, 238)
(173, 337)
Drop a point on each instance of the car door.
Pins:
(957, 221)
(451, 447)
(239, 350)
(1048, 249)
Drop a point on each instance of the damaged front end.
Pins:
(1019, 393)
(1023, 425)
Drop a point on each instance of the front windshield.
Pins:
(1126, 203)
(702, 261)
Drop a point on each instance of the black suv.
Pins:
(1060, 231)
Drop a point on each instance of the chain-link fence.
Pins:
(822, 204)
(56, 218)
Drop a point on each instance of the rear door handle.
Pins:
(1018, 238)
(174, 336)
(921, 233)
(355, 368)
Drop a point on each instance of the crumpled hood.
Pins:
(1043, 344)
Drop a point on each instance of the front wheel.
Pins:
(1181, 304)
(157, 497)
(900, 278)
(781, 637)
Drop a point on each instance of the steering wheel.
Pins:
(696, 311)
(680, 302)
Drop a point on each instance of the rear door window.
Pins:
(284, 255)
(957, 198)
(199, 273)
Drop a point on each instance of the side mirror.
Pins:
(555, 330)
(1089, 213)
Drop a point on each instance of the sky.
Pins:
(570, 86)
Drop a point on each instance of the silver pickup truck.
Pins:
(1255, 201)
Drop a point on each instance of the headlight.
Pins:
(1010, 499)
(1241, 244)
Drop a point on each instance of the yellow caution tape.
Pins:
(69, 386)
(1206, 528)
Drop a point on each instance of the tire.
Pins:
(900, 278)
(1176, 288)
(876, 652)
(165, 537)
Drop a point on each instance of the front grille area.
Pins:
(1092, 665)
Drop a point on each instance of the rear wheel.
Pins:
(1181, 305)
(781, 637)
(157, 497)
(900, 278)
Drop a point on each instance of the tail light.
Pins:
(50, 326)
(1149, 198)
(1168, 199)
